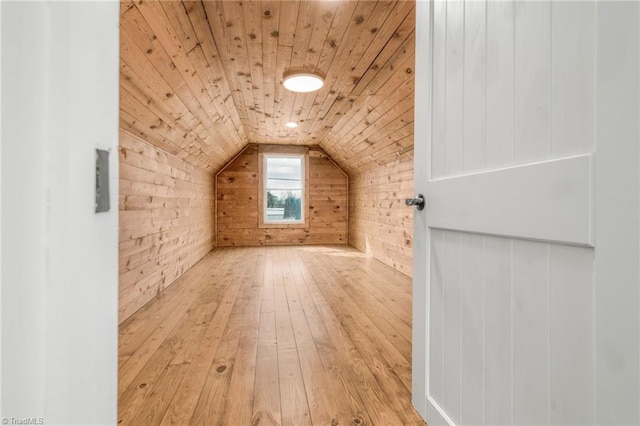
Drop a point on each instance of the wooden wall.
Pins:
(379, 222)
(166, 220)
(237, 204)
(372, 140)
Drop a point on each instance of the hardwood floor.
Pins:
(272, 335)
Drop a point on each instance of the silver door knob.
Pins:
(418, 202)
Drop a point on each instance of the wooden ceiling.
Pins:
(201, 79)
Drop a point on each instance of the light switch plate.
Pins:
(102, 181)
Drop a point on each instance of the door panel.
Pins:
(532, 81)
(471, 383)
(549, 200)
(497, 337)
(436, 318)
(499, 84)
(452, 333)
(571, 334)
(573, 69)
(511, 330)
(530, 328)
(516, 314)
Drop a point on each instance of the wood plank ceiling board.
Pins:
(201, 79)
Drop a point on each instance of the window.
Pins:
(283, 189)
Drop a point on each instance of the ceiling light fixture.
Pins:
(302, 82)
(291, 125)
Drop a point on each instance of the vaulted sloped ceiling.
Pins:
(201, 79)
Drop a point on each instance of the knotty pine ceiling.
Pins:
(201, 79)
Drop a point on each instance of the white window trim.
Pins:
(302, 189)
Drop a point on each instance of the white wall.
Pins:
(59, 259)
(0, 212)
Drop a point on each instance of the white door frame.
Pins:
(422, 171)
(59, 258)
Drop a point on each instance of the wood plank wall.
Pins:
(237, 204)
(372, 139)
(167, 220)
(379, 222)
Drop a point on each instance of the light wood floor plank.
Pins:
(266, 401)
(349, 404)
(368, 374)
(143, 333)
(356, 322)
(214, 400)
(328, 402)
(316, 335)
(142, 388)
(184, 402)
(241, 388)
(293, 397)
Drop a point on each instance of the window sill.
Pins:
(284, 225)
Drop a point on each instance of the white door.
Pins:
(527, 147)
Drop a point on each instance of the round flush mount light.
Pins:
(302, 82)
(291, 125)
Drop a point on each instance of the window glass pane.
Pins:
(284, 173)
(284, 205)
